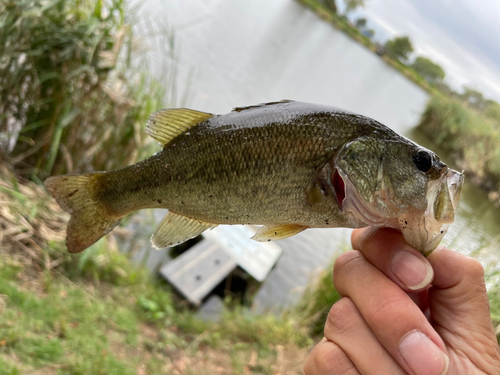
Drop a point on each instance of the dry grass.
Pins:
(29, 221)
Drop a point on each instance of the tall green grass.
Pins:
(317, 300)
(67, 88)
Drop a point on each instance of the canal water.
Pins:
(218, 54)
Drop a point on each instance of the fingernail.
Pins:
(422, 355)
(410, 270)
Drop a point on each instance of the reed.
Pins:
(67, 87)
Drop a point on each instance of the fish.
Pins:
(286, 166)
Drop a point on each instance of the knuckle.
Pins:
(474, 268)
(378, 311)
(347, 260)
(342, 318)
(328, 358)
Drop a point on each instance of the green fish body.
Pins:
(285, 165)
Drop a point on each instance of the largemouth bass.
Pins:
(286, 165)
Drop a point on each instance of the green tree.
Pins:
(361, 23)
(350, 5)
(474, 98)
(493, 110)
(399, 47)
(432, 72)
(369, 33)
(331, 5)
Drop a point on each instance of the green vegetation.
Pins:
(428, 69)
(361, 23)
(67, 89)
(399, 48)
(317, 300)
(470, 137)
(96, 313)
(350, 5)
(331, 5)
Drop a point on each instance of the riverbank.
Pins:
(469, 137)
(342, 24)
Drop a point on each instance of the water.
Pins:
(235, 53)
(228, 53)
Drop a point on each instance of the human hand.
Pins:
(390, 321)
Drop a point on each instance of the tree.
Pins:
(432, 72)
(493, 110)
(474, 98)
(350, 5)
(369, 33)
(361, 23)
(330, 5)
(399, 47)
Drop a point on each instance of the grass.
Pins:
(317, 300)
(98, 313)
(73, 326)
(54, 323)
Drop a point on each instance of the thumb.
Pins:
(458, 302)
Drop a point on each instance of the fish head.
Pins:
(397, 183)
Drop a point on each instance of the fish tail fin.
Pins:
(89, 218)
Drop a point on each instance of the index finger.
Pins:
(387, 250)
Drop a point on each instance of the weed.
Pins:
(317, 301)
(67, 88)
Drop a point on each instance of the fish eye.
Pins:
(423, 160)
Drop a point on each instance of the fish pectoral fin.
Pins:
(175, 229)
(166, 124)
(277, 232)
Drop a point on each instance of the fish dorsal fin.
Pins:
(277, 232)
(174, 229)
(166, 124)
(240, 109)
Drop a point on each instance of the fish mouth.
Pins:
(423, 230)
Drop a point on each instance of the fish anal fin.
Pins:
(277, 232)
(166, 124)
(175, 229)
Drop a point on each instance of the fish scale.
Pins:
(285, 165)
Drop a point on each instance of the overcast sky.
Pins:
(463, 36)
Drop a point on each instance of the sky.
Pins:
(463, 36)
